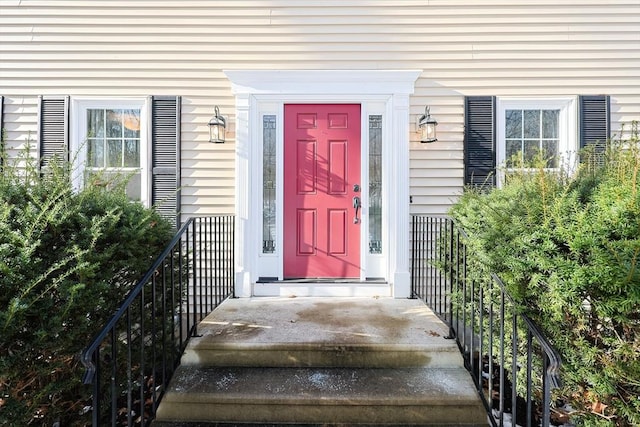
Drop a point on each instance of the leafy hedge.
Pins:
(567, 247)
(67, 259)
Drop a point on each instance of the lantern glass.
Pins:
(216, 133)
(427, 127)
(217, 127)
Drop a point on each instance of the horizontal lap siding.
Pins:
(473, 47)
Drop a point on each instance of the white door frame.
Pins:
(260, 92)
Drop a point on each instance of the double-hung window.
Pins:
(110, 143)
(530, 129)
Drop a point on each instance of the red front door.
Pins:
(321, 180)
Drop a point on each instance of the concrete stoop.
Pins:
(321, 362)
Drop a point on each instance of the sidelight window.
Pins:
(269, 184)
(375, 184)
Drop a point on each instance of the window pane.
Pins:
(134, 186)
(269, 184)
(550, 123)
(531, 124)
(95, 123)
(114, 124)
(131, 121)
(132, 153)
(95, 153)
(375, 184)
(513, 124)
(550, 150)
(114, 153)
(513, 152)
(531, 150)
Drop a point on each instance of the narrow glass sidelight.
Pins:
(375, 184)
(269, 184)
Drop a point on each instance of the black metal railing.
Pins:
(513, 365)
(130, 362)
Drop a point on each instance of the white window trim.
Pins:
(567, 130)
(78, 143)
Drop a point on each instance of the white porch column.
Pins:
(399, 240)
(243, 198)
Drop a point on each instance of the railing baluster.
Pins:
(129, 370)
(514, 364)
(195, 275)
(154, 355)
(142, 354)
(97, 395)
(502, 367)
(490, 345)
(114, 375)
(529, 378)
(546, 398)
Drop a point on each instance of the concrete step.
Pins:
(313, 332)
(325, 396)
(206, 353)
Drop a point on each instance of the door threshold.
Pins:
(322, 280)
(324, 287)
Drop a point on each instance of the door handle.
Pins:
(356, 206)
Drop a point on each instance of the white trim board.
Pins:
(260, 92)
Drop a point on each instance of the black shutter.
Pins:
(1, 116)
(53, 129)
(165, 143)
(2, 133)
(594, 121)
(480, 141)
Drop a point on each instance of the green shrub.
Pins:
(67, 259)
(568, 249)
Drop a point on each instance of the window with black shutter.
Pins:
(111, 137)
(503, 133)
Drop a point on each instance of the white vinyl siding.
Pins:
(135, 48)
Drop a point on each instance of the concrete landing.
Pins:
(320, 361)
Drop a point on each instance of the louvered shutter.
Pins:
(2, 133)
(165, 140)
(53, 129)
(594, 121)
(2, 116)
(480, 141)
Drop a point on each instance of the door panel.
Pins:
(321, 166)
(306, 232)
(336, 230)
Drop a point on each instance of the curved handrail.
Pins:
(555, 360)
(87, 355)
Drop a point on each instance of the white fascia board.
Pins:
(330, 82)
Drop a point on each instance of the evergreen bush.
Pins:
(67, 260)
(567, 246)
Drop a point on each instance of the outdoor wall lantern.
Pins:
(217, 127)
(427, 127)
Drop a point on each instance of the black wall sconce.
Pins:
(427, 127)
(217, 127)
